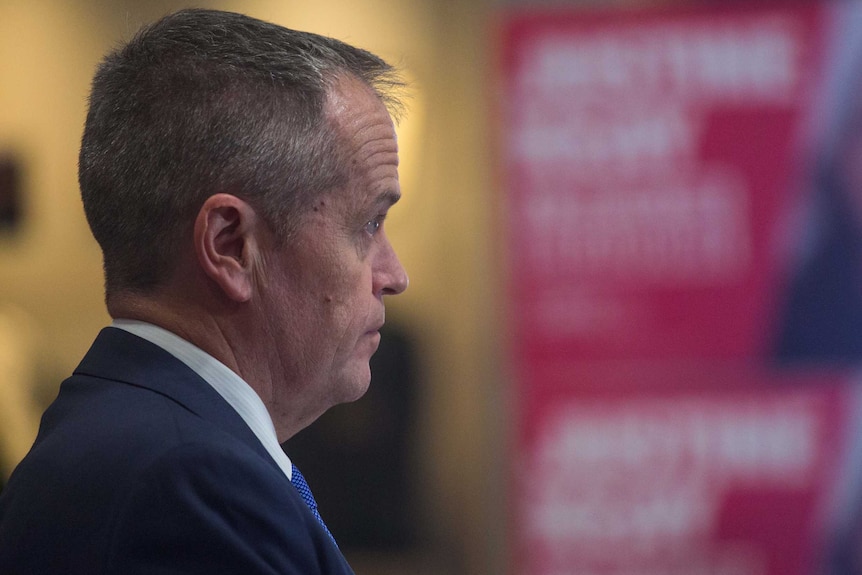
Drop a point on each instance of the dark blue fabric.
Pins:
(821, 319)
(141, 467)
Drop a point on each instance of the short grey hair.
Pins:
(202, 102)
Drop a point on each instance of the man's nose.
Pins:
(392, 276)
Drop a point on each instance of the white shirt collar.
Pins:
(239, 394)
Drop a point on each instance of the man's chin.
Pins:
(356, 385)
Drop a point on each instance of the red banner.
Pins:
(682, 229)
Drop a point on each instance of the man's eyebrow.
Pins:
(387, 198)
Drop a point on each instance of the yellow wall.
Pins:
(50, 273)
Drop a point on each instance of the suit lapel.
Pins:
(123, 357)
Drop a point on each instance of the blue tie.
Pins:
(305, 492)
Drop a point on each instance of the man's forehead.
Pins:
(350, 102)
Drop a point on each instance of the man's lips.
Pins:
(377, 326)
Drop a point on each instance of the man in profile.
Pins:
(236, 175)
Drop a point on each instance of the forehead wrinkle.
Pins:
(371, 147)
(376, 160)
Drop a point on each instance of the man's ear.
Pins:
(226, 235)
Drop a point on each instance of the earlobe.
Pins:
(225, 244)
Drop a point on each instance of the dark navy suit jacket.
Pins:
(141, 467)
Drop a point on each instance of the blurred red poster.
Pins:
(737, 481)
(650, 158)
(684, 229)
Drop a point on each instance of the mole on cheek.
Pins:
(327, 299)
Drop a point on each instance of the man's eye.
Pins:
(373, 226)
